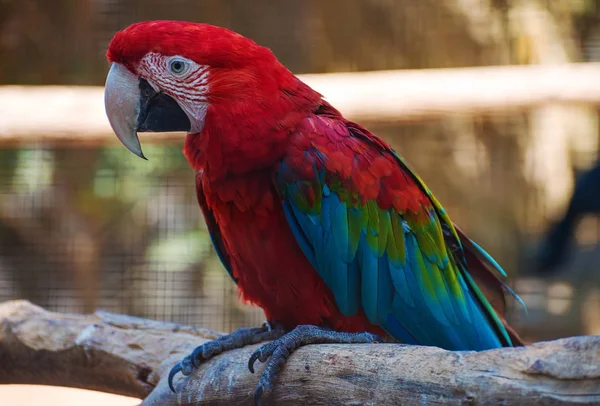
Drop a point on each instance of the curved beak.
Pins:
(132, 105)
(122, 104)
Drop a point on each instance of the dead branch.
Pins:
(102, 351)
(132, 356)
(76, 113)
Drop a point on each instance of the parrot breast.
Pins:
(271, 269)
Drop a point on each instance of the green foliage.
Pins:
(177, 252)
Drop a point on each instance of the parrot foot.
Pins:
(235, 340)
(279, 350)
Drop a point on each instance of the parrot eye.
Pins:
(178, 66)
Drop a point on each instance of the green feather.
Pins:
(384, 229)
(488, 307)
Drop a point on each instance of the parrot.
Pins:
(318, 221)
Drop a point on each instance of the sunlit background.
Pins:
(86, 225)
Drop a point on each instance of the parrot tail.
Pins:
(484, 270)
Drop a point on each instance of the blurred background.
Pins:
(86, 225)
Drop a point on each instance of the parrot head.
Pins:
(169, 75)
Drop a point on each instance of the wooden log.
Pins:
(76, 113)
(132, 356)
(101, 351)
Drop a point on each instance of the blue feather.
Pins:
(339, 225)
(488, 258)
(393, 326)
(345, 279)
(298, 232)
(405, 280)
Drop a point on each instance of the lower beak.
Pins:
(132, 105)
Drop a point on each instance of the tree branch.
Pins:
(132, 356)
(103, 351)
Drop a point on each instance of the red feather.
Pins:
(271, 270)
(259, 112)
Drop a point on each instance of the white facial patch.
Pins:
(196, 112)
(189, 88)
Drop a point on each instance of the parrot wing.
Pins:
(379, 239)
(213, 227)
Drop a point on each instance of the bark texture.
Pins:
(132, 356)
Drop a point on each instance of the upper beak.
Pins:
(132, 105)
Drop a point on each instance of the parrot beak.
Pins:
(132, 105)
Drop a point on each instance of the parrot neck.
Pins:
(247, 135)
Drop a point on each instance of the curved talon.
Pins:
(172, 373)
(253, 359)
(258, 394)
(263, 387)
(237, 339)
(277, 352)
(263, 353)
